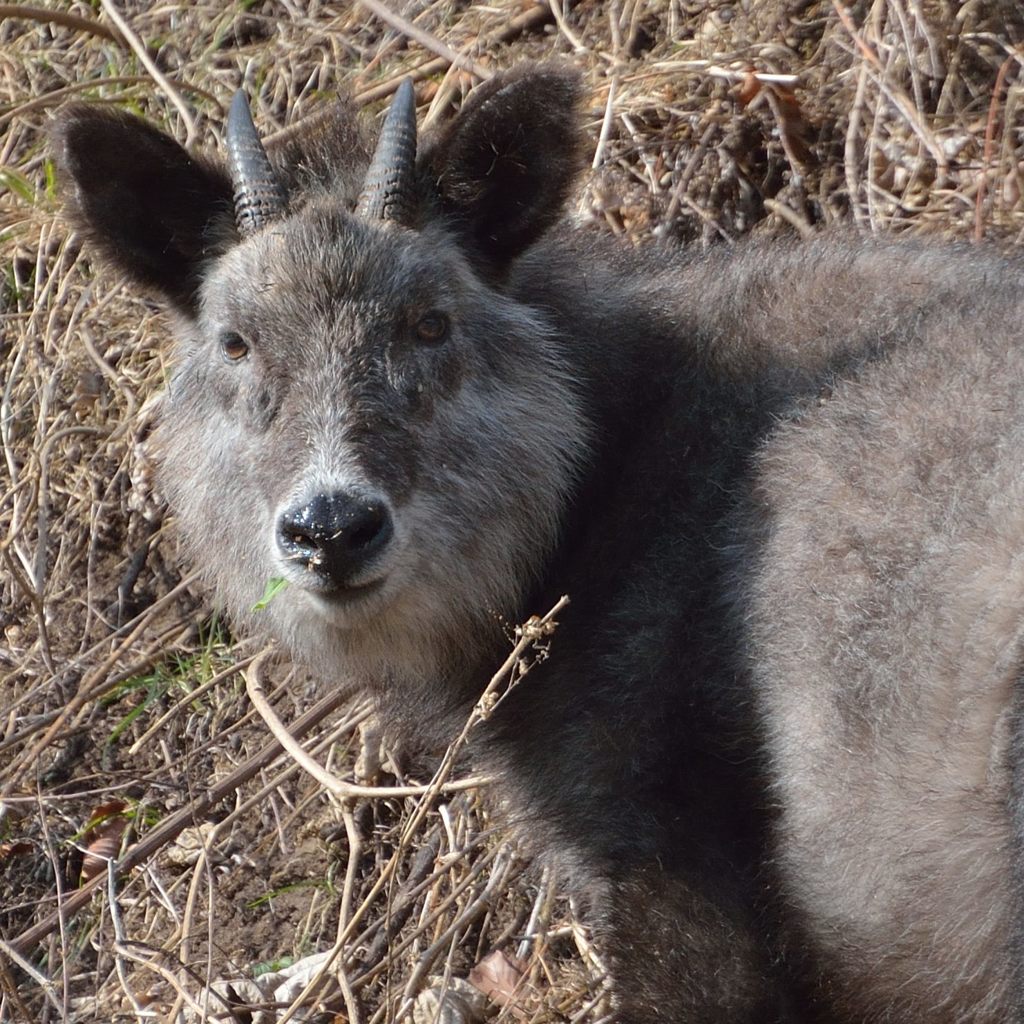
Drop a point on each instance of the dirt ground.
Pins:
(202, 874)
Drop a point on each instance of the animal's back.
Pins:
(861, 399)
(883, 609)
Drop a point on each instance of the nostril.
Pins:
(295, 529)
(371, 530)
(294, 533)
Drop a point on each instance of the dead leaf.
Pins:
(8, 851)
(449, 1001)
(748, 88)
(785, 108)
(102, 838)
(792, 125)
(499, 977)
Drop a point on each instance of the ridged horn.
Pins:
(388, 192)
(259, 196)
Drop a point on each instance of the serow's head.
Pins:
(362, 405)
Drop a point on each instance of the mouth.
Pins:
(339, 604)
(341, 597)
(309, 578)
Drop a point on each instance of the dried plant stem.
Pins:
(58, 96)
(472, 912)
(563, 27)
(355, 852)
(990, 131)
(172, 93)
(895, 96)
(426, 39)
(173, 825)
(114, 910)
(529, 20)
(65, 19)
(14, 955)
(341, 789)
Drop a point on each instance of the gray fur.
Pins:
(459, 474)
(885, 594)
(776, 748)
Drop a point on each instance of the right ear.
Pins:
(502, 169)
(150, 209)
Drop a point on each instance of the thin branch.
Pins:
(535, 17)
(990, 131)
(142, 52)
(340, 788)
(426, 39)
(63, 18)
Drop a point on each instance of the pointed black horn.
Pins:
(259, 196)
(388, 193)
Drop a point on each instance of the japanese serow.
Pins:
(776, 748)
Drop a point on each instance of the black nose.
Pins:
(335, 535)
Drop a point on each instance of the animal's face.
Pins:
(358, 413)
(359, 406)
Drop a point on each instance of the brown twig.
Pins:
(330, 782)
(146, 57)
(532, 19)
(895, 96)
(63, 18)
(426, 39)
(55, 98)
(990, 133)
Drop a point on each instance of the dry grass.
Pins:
(126, 730)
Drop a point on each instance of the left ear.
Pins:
(151, 210)
(503, 168)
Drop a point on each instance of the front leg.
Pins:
(685, 949)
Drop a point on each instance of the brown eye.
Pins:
(233, 346)
(432, 327)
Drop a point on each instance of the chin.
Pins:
(342, 608)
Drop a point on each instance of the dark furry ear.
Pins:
(150, 209)
(504, 166)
